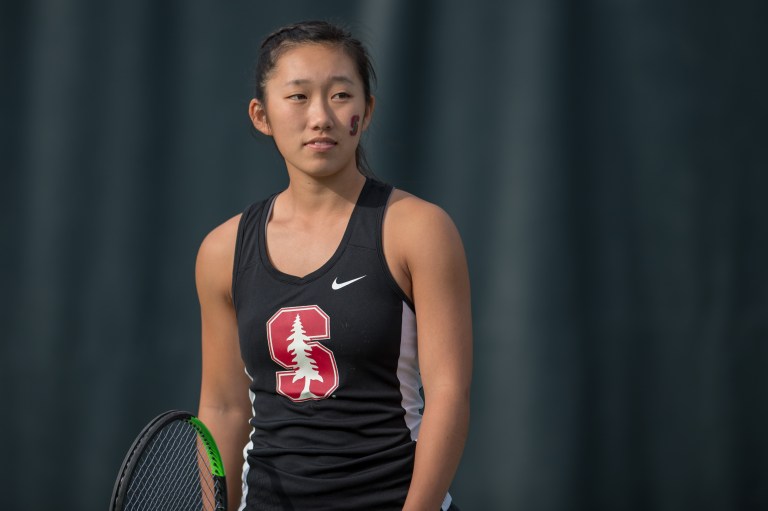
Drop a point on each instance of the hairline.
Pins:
(278, 51)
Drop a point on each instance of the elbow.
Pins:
(453, 395)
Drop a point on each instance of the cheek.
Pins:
(283, 120)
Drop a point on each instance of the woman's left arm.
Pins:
(435, 260)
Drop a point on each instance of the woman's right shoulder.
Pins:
(217, 251)
(221, 239)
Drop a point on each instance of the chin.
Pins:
(322, 169)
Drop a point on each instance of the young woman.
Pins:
(326, 307)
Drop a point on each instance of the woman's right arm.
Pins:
(224, 404)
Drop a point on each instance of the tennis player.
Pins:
(330, 308)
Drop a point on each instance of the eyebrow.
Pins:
(337, 78)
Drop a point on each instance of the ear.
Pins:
(368, 112)
(258, 116)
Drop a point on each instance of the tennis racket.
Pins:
(173, 465)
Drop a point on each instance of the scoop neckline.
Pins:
(295, 279)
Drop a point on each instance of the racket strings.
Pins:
(173, 473)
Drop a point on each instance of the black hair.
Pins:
(322, 32)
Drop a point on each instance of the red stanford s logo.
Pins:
(293, 333)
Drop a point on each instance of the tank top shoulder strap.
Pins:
(366, 231)
(247, 241)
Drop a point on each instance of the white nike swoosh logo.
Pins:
(338, 285)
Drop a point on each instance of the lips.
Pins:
(321, 143)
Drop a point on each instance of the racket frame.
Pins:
(147, 434)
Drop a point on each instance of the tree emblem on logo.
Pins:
(306, 367)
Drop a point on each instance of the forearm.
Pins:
(229, 428)
(441, 441)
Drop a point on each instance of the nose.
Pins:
(320, 115)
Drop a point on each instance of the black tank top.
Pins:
(334, 370)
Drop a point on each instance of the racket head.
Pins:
(167, 446)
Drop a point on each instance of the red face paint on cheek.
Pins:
(353, 124)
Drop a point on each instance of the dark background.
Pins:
(605, 161)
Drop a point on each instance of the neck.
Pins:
(317, 195)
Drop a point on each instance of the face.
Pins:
(315, 109)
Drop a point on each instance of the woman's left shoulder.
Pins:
(420, 222)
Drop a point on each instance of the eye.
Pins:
(341, 95)
(297, 97)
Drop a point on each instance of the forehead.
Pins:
(313, 62)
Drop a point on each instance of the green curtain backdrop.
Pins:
(605, 162)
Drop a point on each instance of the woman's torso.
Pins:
(333, 367)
